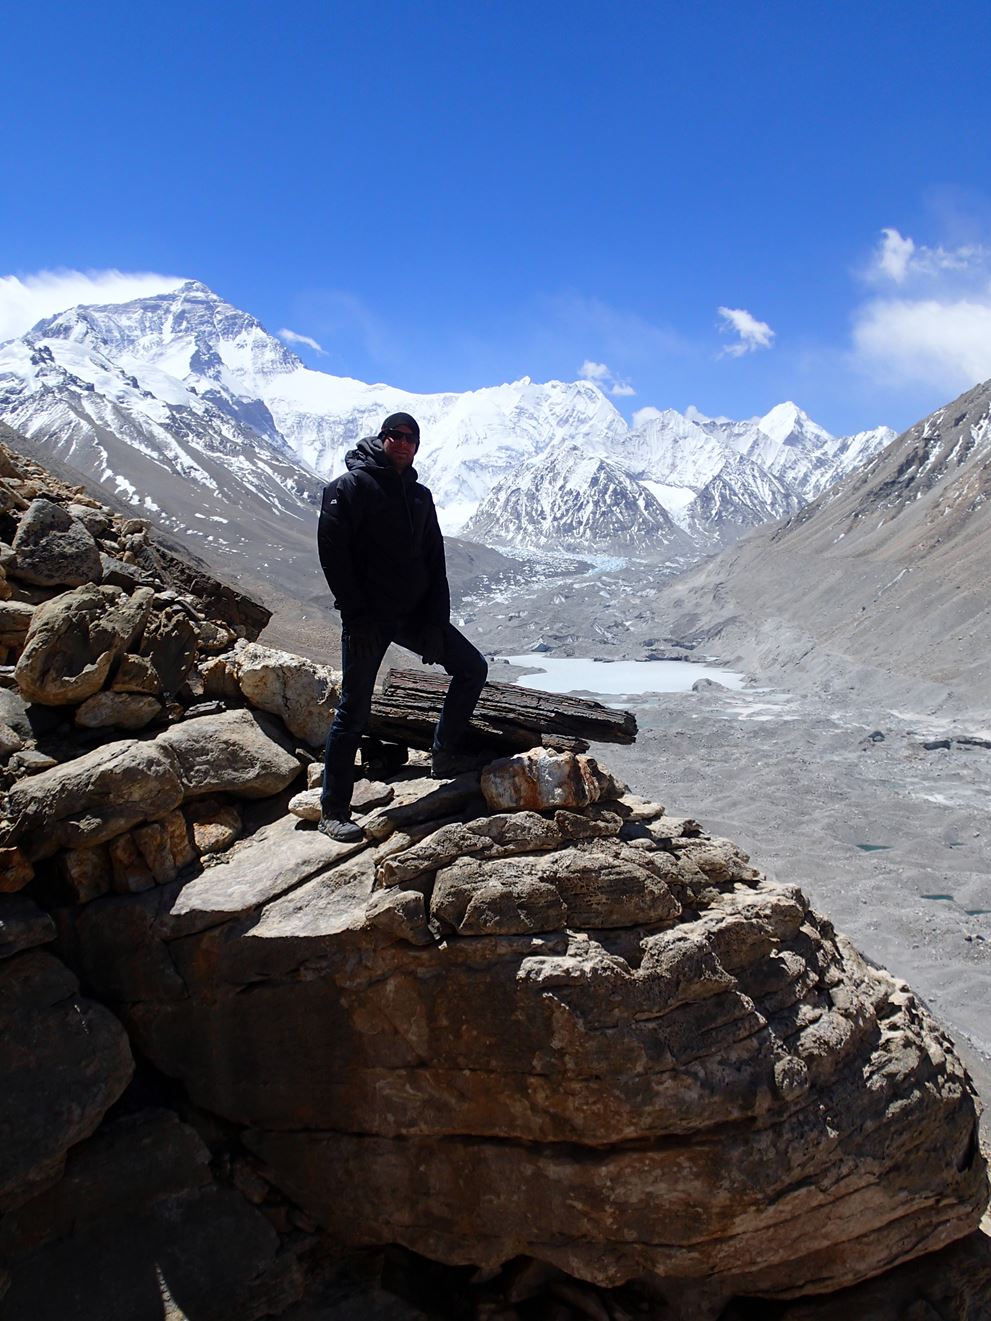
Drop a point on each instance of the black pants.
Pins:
(463, 662)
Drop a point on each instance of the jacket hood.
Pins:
(369, 456)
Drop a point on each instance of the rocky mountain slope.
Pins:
(888, 570)
(563, 1049)
(572, 500)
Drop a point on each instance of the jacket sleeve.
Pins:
(438, 601)
(335, 542)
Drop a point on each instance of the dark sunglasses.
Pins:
(400, 435)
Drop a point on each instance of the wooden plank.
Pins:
(506, 716)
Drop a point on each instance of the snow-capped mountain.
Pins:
(567, 498)
(888, 568)
(740, 496)
(191, 344)
(187, 407)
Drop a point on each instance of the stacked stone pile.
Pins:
(530, 1024)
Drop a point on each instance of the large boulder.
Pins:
(75, 638)
(105, 792)
(64, 1061)
(53, 549)
(236, 752)
(609, 1044)
(300, 692)
(91, 799)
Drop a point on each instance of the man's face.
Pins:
(399, 445)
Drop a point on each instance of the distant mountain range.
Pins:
(187, 408)
(889, 570)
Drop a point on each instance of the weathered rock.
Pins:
(368, 794)
(118, 573)
(541, 779)
(420, 800)
(179, 842)
(130, 874)
(492, 837)
(170, 643)
(110, 710)
(18, 714)
(5, 588)
(136, 674)
(10, 741)
(300, 692)
(574, 887)
(951, 1285)
(724, 1089)
(64, 1061)
(31, 761)
(85, 873)
(214, 637)
(138, 1228)
(94, 797)
(15, 870)
(237, 752)
(95, 518)
(54, 549)
(22, 925)
(74, 639)
(15, 620)
(214, 825)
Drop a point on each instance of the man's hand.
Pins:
(433, 644)
(364, 640)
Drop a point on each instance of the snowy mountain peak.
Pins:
(787, 424)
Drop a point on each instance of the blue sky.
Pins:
(444, 196)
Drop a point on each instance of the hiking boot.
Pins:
(341, 829)
(445, 765)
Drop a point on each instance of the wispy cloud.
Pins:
(934, 327)
(606, 379)
(26, 299)
(753, 334)
(291, 337)
(898, 258)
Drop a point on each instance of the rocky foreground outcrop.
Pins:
(531, 1024)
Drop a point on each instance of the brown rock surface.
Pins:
(107, 710)
(139, 1228)
(540, 779)
(619, 1056)
(75, 638)
(234, 752)
(64, 1060)
(302, 693)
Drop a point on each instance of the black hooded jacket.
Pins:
(380, 544)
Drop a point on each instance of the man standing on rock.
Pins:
(382, 554)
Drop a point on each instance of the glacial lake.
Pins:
(563, 674)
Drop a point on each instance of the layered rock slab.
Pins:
(637, 1057)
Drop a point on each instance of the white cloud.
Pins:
(291, 337)
(893, 255)
(642, 415)
(24, 300)
(936, 330)
(946, 344)
(753, 334)
(594, 371)
(899, 258)
(603, 376)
